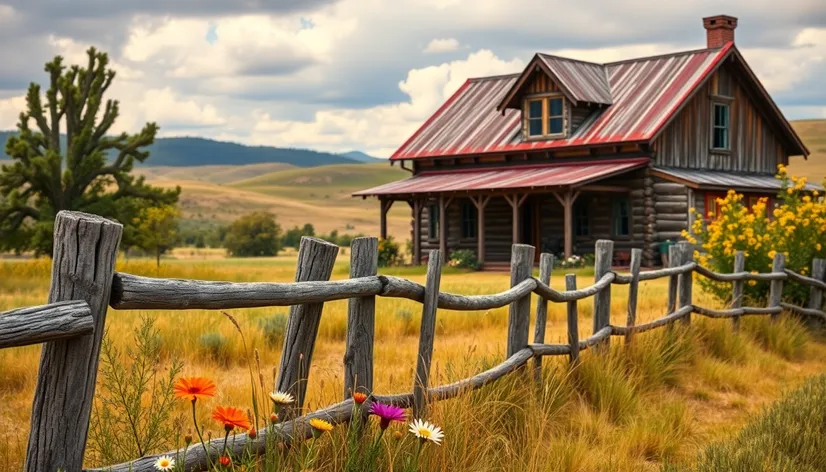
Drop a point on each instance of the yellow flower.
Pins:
(320, 426)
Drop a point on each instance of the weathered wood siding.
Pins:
(686, 142)
(540, 83)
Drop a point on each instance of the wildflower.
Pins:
(193, 388)
(320, 426)
(359, 397)
(281, 398)
(426, 431)
(225, 461)
(231, 418)
(252, 433)
(397, 435)
(273, 418)
(188, 437)
(165, 463)
(387, 414)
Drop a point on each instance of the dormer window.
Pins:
(545, 117)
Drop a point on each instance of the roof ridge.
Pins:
(660, 56)
(565, 58)
(492, 77)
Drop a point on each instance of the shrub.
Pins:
(794, 228)
(254, 235)
(215, 346)
(274, 328)
(573, 262)
(389, 253)
(463, 259)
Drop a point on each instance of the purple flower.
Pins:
(387, 413)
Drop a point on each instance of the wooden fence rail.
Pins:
(84, 283)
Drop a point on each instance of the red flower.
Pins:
(225, 461)
(252, 433)
(193, 388)
(231, 417)
(359, 397)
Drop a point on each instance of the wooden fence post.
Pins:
(674, 255)
(633, 290)
(546, 265)
(519, 312)
(426, 334)
(776, 286)
(602, 300)
(85, 249)
(573, 321)
(737, 288)
(686, 278)
(315, 262)
(816, 294)
(361, 321)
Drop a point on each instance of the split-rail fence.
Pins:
(84, 285)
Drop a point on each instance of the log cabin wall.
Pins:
(686, 142)
(498, 229)
(671, 205)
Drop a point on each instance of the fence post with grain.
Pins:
(84, 283)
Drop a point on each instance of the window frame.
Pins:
(725, 104)
(615, 218)
(433, 219)
(711, 197)
(545, 99)
(470, 220)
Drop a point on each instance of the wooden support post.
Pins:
(686, 280)
(385, 207)
(519, 312)
(776, 286)
(602, 300)
(480, 202)
(737, 288)
(444, 203)
(428, 330)
(567, 201)
(418, 205)
(361, 321)
(816, 294)
(546, 265)
(315, 262)
(85, 249)
(633, 290)
(573, 323)
(674, 255)
(515, 202)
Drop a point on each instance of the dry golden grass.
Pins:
(813, 133)
(666, 409)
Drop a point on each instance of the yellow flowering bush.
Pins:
(796, 226)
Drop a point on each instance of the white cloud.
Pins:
(442, 45)
(10, 109)
(164, 107)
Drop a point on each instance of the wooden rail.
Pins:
(84, 283)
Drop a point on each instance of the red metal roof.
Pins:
(584, 81)
(645, 93)
(553, 175)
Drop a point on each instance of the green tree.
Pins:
(157, 230)
(80, 167)
(292, 238)
(254, 235)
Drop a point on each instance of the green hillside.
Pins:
(214, 174)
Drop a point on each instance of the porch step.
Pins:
(496, 267)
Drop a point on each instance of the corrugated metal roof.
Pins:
(556, 175)
(584, 81)
(724, 180)
(645, 93)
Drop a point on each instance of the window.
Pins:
(712, 206)
(535, 118)
(621, 217)
(752, 200)
(545, 117)
(581, 227)
(468, 221)
(720, 128)
(433, 221)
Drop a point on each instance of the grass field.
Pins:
(630, 412)
(813, 133)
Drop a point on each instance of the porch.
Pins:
(486, 211)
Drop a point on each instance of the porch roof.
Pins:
(505, 178)
(716, 180)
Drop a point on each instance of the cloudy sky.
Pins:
(339, 75)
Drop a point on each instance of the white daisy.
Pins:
(427, 431)
(165, 463)
(281, 398)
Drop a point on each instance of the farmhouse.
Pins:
(567, 152)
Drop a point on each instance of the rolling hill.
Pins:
(188, 152)
(813, 133)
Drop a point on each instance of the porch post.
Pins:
(385, 207)
(515, 202)
(480, 202)
(417, 206)
(444, 202)
(567, 200)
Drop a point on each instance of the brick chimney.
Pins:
(719, 30)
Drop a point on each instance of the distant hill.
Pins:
(359, 156)
(813, 134)
(187, 152)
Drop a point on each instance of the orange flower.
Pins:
(225, 461)
(359, 397)
(193, 388)
(252, 433)
(231, 417)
